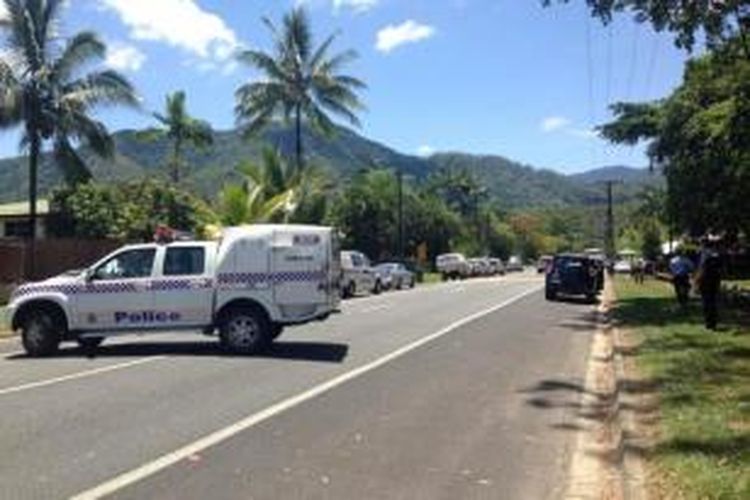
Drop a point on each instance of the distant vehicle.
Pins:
(496, 266)
(543, 263)
(395, 276)
(453, 266)
(623, 267)
(515, 264)
(478, 267)
(574, 274)
(246, 287)
(358, 275)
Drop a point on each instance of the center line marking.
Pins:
(78, 375)
(149, 469)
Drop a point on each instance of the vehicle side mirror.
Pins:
(88, 275)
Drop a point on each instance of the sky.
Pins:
(505, 77)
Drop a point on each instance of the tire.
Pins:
(412, 283)
(446, 277)
(89, 342)
(245, 330)
(378, 288)
(350, 290)
(39, 335)
(276, 330)
(591, 298)
(550, 295)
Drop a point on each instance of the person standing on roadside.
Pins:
(709, 281)
(681, 268)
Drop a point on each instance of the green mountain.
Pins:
(511, 184)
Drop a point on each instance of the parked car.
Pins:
(623, 267)
(515, 264)
(358, 275)
(245, 288)
(453, 266)
(496, 266)
(395, 276)
(477, 267)
(574, 274)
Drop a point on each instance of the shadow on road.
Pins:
(322, 352)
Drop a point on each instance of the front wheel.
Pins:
(550, 294)
(245, 331)
(378, 288)
(39, 335)
(350, 290)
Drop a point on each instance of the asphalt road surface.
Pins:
(448, 391)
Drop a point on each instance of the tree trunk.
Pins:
(176, 161)
(34, 149)
(298, 118)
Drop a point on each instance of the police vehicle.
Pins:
(247, 287)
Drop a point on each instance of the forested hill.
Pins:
(512, 185)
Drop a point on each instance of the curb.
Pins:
(602, 466)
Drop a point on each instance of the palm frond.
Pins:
(73, 167)
(322, 51)
(80, 49)
(265, 63)
(106, 87)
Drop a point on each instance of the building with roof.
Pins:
(15, 222)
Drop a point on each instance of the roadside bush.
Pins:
(127, 211)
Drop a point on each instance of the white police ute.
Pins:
(246, 287)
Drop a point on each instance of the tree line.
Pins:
(43, 93)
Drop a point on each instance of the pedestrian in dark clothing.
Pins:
(709, 282)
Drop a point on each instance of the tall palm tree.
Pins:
(181, 128)
(42, 89)
(300, 82)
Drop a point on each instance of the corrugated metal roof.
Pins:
(22, 208)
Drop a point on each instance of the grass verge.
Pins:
(703, 384)
(431, 278)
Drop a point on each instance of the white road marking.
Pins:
(149, 469)
(78, 375)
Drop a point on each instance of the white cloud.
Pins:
(178, 23)
(124, 57)
(554, 123)
(409, 31)
(355, 5)
(425, 150)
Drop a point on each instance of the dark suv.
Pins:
(574, 274)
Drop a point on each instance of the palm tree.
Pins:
(41, 88)
(299, 82)
(181, 128)
(270, 192)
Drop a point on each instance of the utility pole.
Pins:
(609, 237)
(400, 177)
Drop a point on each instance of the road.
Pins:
(432, 393)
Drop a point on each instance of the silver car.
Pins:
(395, 276)
(357, 275)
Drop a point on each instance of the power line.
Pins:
(633, 62)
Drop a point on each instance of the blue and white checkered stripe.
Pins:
(170, 285)
(276, 278)
(114, 287)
